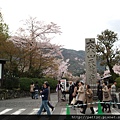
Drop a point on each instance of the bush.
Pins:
(25, 83)
(52, 83)
(118, 82)
(11, 83)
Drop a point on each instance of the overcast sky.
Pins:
(79, 19)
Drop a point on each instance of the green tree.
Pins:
(3, 29)
(7, 49)
(105, 50)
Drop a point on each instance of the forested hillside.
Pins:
(77, 61)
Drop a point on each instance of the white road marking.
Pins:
(5, 111)
(34, 111)
(115, 112)
(18, 112)
(63, 111)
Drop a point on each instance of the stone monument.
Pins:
(90, 61)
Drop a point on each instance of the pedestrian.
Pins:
(32, 90)
(99, 92)
(81, 94)
(74, 94)
(36, 89)
(113, 94)
(49, 104)
(71, 90)
(106, 97)
(88, 100)
(110, 100)
(59, 90)
(44, 95)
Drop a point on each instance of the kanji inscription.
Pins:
(90, 60)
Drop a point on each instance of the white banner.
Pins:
(63, 82)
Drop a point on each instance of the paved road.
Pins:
(28, 106)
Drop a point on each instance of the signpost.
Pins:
(63, 82)
(2, 62)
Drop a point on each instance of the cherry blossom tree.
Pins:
(35, 48)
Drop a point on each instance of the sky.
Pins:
(78, 19)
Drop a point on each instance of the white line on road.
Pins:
(114, 112)
(34, 111)
(5, 111)
(18, 111)
(63, 111)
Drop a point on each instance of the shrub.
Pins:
(118, 82)
(11, 83)
(25, 83)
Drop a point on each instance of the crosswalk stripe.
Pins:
(45, 113)
(114, 112)
(18, 112)
(63, 111)
(5, 111)
(34, 111)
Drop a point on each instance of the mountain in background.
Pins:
(77, 61)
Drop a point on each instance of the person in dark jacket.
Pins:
(71, 90)
(44, 95)
(49, 104)
(36, 89)
(99, 91)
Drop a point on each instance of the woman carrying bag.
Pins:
(106, 97)
(88, 100)
(74, 94)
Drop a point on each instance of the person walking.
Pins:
(74, 94)
(49, 104)
(36, 89)
(99, 92)
(113, 93)
(110, 100)
(106, 97)
(44, 95)
(81, 94)
(59, 90)
(71, 90)
(32, 90)
(88, 100)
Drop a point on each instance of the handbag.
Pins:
(106, 95)
(90, 95)
(74, 94)
(73, 101)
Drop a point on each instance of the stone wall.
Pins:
(10, 94)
